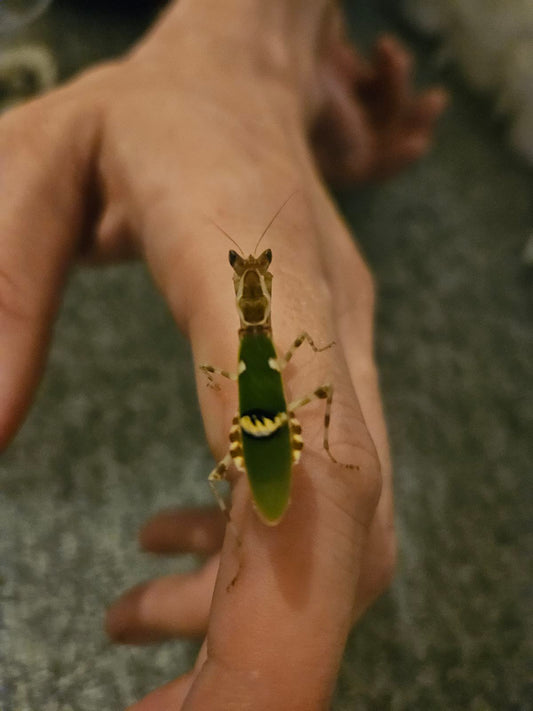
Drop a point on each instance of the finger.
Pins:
(398, 151)
(272, 588)
(354, 296)
(184, 531)
(174, 606)
(339, 51)
(172, 695)
(341, 140)
(169, 697)
(43, 172)
(394, 66)
(427, 108)
(286, 596)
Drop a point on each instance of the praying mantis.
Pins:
(265, 436)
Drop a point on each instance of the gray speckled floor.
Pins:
(106, 445)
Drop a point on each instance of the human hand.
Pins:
(130, 158)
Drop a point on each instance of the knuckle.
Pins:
(367, 287)
(354, 290)
(356, 484)
(368, 482)
(56, 121)
(20, 136)
(385, 566)
(405, 60)
(379, 569)
(15, 304)
(30, 122)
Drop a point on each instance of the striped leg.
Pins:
(325, 392)
(304, 336)
(219, 474)
(235, 455)
(209, 371)
(297, 443)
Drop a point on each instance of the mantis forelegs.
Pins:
(219, 474)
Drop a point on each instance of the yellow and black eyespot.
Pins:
(261, 424)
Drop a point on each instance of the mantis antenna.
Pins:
(233, 241)
(273, 219)
(226, 234)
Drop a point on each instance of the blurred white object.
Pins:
(492, 42)
(528, 252)
(14, 14)
(25, 69)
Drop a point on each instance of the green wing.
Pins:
(265, 435)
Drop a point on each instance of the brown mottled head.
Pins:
(253, 288)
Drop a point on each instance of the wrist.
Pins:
(273, 42)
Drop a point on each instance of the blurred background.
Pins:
(115, 433)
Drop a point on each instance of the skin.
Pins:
(205, 120)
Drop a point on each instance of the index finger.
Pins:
(296, 581)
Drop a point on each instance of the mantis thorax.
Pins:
(253, 290)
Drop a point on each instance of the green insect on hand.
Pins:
(265, 437)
